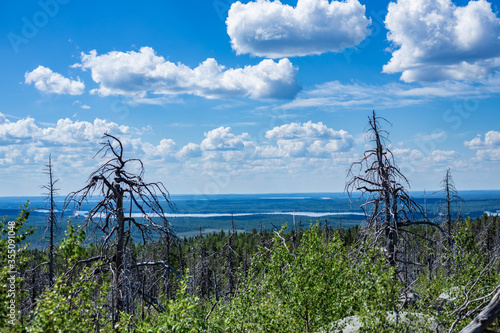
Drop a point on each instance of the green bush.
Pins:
(307, 288)
(182, 315)
(15, 256)
(71, 307)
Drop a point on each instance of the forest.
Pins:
(398, 271)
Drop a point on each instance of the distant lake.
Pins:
(249, 211)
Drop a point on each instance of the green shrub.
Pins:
(307, 288)
(182, 315)
(71, 307)
(15, 256)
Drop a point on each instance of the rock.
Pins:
(446, 299)
(407, 322)
(409, 300)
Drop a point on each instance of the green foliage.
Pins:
(71, 246)
(182, 315)
(467, 272)
(318, 279)
(15, 257)
(71, 307)
(307, 288)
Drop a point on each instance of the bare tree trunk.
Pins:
(294, 232)
(448, 203)
(51, 222)
(120, 242)
(216, 289)
(181, 261)
(230, 259)
(386, 193)
(51, 191)
(485, 317)
(451, 197)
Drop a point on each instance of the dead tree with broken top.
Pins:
(451, 198)
(52, 220)
(389, 209)
(120, 187)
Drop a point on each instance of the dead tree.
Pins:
(202, 270)
(230, 259)
(52, 222)
(120, 191)
(389, 208)
(451, 198)
(486, 317)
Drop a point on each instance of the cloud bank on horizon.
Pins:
(219, 143)
(290, 148)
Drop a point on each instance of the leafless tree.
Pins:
(451, 198)
(52, 222)
(230, 262)
(487, 315)
(120, 186)
(389, 208)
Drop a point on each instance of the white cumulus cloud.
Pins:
(487, 149)
(64, 132)
(444, 155)
(306, 130)
(275, 30)
(166, 150)
(437, 40)
(48, 81)
(137, 74)
(293, 140)
(189, 151)
(221, 139)
(310, 139)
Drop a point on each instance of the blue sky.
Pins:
(249, 97)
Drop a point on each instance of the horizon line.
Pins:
(261, 193)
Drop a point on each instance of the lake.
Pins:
(248, 211)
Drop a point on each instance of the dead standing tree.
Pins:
(52, 221)
(122, 190)
(451, 198)
(389, 208)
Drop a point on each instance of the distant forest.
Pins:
(403, 269)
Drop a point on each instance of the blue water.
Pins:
(248, 211)
(305, 204)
